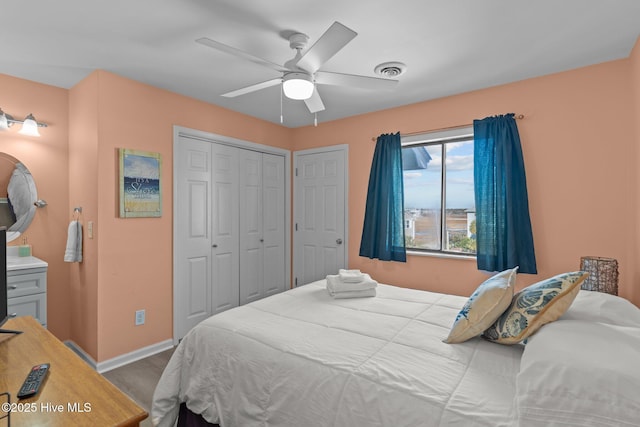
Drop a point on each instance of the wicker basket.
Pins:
(603, 274)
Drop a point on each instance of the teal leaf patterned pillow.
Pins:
(532, 307)
(483, 307)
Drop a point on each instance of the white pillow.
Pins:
(580, 373)
(604, 308)
(483, 307)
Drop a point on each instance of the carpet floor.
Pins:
(138, 379)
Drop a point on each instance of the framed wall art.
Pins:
(140, 184)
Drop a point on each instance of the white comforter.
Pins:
(302, 358)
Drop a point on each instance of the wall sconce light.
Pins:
(29, 124)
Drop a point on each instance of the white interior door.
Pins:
(251, 238)
(273, 224)
(225, 266)
(216, 224)
(192, 260)
(262, 225)
(320, 228)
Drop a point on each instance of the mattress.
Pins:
(302, 358)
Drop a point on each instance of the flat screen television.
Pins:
(4, 309)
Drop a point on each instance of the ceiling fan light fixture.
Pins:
(297, 86)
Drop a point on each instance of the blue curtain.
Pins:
(503, 226)
(383, 230)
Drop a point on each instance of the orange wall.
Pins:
(83, 182)
(576, 137)
(634, 242)
(48, 160)
(134, 256)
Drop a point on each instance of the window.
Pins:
(439, 201)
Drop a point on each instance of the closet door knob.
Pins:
(214, 245)
(12, 287)
(339, 241)
(261, 240)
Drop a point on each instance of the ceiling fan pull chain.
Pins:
(315, 120)
(281, 116)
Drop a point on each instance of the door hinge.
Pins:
(296, 282)
(296, 226)
(296, 171)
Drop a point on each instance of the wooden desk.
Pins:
(72, 395)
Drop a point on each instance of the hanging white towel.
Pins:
(73, 252)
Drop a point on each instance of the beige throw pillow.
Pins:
(483, 307)
(532, 307)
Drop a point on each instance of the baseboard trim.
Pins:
(121, 360)
(81, 353)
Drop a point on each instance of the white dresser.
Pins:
(26, 286)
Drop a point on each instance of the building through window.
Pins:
(439, 201)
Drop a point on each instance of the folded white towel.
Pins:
(335, 285)
(73, 252)
(353, 294)
(351, 276)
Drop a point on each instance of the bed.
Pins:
(302, 358)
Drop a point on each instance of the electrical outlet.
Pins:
(139, 317)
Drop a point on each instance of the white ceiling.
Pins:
(449, 47)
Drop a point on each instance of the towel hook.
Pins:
(76, 212)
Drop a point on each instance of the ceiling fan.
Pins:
(301, 75)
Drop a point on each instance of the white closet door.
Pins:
(192, 292)
(231, 225)
(250, 218)
(273, 220)
(225, 229)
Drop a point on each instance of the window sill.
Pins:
(441, 255)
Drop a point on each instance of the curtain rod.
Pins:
(517, 116)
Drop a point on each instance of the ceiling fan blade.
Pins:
(334, 39)
(363, 82)
(242, 54)
(253, 88)
(314, 104)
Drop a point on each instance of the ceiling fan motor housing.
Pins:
(298, 41)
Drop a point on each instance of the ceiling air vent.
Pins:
(390, 69)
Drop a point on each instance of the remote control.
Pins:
(33, 381)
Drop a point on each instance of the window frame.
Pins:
(439, 137)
